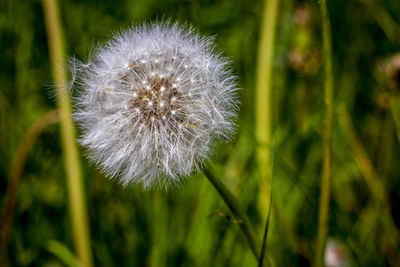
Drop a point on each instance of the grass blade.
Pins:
(327, 159)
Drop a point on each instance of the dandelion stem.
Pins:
(327, 158)
(237, 211)
(70, 153)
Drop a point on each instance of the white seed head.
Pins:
(146, 121)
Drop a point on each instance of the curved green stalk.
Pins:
(15, 179)
(70, 152)
(327, 160)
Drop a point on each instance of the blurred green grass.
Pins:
(179, 227)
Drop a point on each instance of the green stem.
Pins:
(237, 211)
(70, 152)
(263, 105)
(265, 236)
(327, 160)
(264, 242)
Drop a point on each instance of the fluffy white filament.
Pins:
(152, 103)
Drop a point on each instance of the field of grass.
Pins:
(318, 132)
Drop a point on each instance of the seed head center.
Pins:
(156, 100)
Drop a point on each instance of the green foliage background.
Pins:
(183, 226)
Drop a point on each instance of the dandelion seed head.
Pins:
(153, 102)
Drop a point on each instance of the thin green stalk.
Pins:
(263, 99)
(265, 236)
(70, 152)
(327, 159)
(237, 211)
(264, 242)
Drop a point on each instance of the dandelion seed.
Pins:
(148, 130)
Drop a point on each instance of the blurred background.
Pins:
(191, 225)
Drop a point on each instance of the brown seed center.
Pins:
(156, 100)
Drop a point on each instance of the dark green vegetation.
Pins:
(191, 226)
